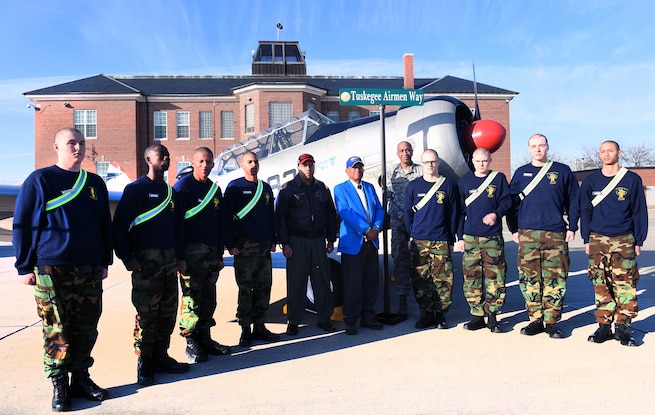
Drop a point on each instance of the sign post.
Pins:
(383, 97)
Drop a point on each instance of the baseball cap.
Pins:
(304, 158)
(354, 160)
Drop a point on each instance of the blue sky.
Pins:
(584, 70)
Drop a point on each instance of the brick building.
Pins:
(120, 116)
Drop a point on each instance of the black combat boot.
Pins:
(426, 320)
(602, 333)
(144, 373)
(246, 336)
(83, 387)
(492, 324)
(622, 334)
(260, 332)
(194, 352)
(61, 397)
(533, 328)
(440, 317)
(476, 323)
(553, 331)
(211, 346)
(162, 362)
(402, 305)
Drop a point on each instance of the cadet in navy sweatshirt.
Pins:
(543, 193)
(484, 200)
(613, 224)
(431, 214)
(62, 239)
(148, 238)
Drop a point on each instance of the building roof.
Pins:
(224, 85)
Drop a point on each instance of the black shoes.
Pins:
(61, 395)
(476, 323)
(144, 374)
(194, 352)
(326, 326)
(292, 329)
(212, 347)
(492, 324)
(602, 334)
(533, 328)
(260, 332)
(427, 320)
(622, 334)
(246, 336)
(351, 329)
(83, 387)
(440, 317)
(372, 324)
(553, 331)
(162, 362)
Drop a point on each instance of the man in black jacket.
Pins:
(306, 218)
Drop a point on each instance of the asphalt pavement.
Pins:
(397, 370)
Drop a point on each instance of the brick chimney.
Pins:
(408, 70)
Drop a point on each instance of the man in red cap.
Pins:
(307, 229)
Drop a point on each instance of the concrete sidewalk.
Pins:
(397, 370)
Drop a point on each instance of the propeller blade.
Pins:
(477, 116)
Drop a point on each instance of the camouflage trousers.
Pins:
(69, 303)
(484, 269)
(614, 274)
(543, 264)
(198, 287)
(401, 258)
(432, 275)
(154, 295)
(254, 275)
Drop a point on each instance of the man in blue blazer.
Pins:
(362, 218)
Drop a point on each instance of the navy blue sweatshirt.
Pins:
(544, 207)
(621, 212)
(204, 227)
(161, 232)
(437, 220)
(495, 198)
(76, 233)
(258, 224)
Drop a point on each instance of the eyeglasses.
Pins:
(430, 161)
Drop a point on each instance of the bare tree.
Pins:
(639, 155)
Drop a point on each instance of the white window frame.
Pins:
(158, 117)
(102, 168)
(250, 118)
(87, 122)
(227, 125)
(279, 111)
(183, 125)
(206, 125)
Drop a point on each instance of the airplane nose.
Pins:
(487, 134)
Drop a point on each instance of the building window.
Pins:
(374, 113)
(353, 115)
(206, 125)
(182, 122)
(181, 165)
(101, 169)
(227, 125)
(250, 118)
(160, 125)
(278, 112)
(333, 115)
(86, 121)
(311, 106)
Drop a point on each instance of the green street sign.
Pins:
(363, 96)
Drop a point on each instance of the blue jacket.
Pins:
(353, 216)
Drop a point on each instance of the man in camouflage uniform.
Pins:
(613, 224)
(250, 236)
(431, 212)
(201, 201)
(62, 239)
(484, 200)
(543, 193)
(403, 173)
(149, 239)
